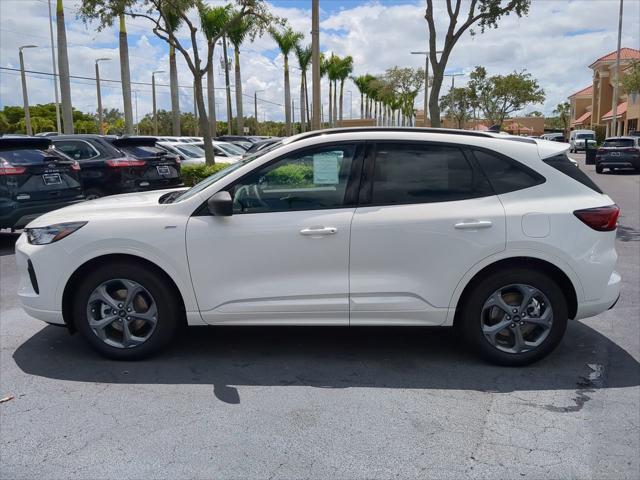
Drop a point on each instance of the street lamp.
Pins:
(153, 95)
(100, 126)
(426, 83)
(25, 97)
(255, 107)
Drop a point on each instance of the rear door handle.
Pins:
(473, 224)
(318, 231)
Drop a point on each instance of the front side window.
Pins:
(76, 150)
(414, 173)
(309, 180)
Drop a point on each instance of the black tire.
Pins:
(470, 318)
(169, 312)
(599, 169)
(93, 193)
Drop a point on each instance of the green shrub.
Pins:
(192, 174)
(291, 175)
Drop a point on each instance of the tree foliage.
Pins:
(631, 78)
(458, 105)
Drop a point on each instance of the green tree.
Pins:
(483, 13)
(345, 67)
(457, 105)
(287, 40)
(303, 54)
(563, 110)
(238, 32)
(631, 79)
(501, 95)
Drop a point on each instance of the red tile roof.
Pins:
(622, 109)
(625, 54)
(585, 91)
(582, 119)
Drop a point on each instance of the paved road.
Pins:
(326, 403)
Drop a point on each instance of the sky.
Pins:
(555, 43)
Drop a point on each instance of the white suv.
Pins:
(500, 236)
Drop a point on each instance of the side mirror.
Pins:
(220, 204)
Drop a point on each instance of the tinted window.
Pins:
(413, 173)
(582, 136)
(140, 151)
(564, 165)
(18, 157)
(76, 150)
(618, 142)
(309, 180)
(505, 174)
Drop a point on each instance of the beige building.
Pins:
(592, 106)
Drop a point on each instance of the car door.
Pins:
(283, 256)
(427, 215)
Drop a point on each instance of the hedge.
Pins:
(192, 174)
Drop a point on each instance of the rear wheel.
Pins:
(514, 317)
(125, 311)
(599, 169)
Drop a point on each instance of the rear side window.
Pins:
(506, 175)
(415, 173)
(618, 143)
(563, 164)
(76, 150)
(17, 157)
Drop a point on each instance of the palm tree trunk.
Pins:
(211, 98)
(287, 97)
(202, 119)
(125, 77)
(239, 114)
(175, 96)
(227, 86)
(341, 98)
(330, 100)
(306, 99)
(63, 68)
(302, 105)
(361, 105)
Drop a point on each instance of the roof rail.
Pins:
(331, 131)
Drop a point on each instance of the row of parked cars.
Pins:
(40, 174)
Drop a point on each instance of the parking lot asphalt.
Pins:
(326, 402)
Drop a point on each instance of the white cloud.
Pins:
(377, 35)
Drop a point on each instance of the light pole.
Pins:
(614, 100)
(153, 97)
(255, 107)
(25, 97)
(100, 126)
(55, 71)
(426, 83)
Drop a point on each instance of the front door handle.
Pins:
(473, 224)
(318, 231)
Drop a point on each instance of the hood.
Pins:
(115, 206)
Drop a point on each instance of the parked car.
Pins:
(113, 165)
(232, 138)
(34, 179)
(188, 153)
(619, 152)
(224, 152)
(244, 145)
(581, 140)
(554, 137)
(261, 145)
(504, 239)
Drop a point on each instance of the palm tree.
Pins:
(361, 84)
(213, 20)
(563, 110)
(287, 41)
(63, 68)
(345, 67)
(125, 74)
(237, 34)
(304, 60)
(173, 22)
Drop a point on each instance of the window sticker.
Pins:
(325, 168)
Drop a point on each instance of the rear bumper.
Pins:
(631, 163)
(17, 215)
(604, 303)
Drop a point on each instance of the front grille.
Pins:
(32, 277)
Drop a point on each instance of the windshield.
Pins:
(190, 151)
(222, 173)
(230, 149)
(588, 136)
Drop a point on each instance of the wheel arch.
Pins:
(532, 263)
(78, 274)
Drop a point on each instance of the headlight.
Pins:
(52, 233)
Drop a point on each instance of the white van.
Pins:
(580, 139)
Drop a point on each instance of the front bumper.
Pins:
(604, 303)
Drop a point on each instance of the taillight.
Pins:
(602, 219)
(125, 162)
(7, 169)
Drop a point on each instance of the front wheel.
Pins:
(125, 311)
(514, 317)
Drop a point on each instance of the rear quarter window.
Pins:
(563, 164)
(505, 174)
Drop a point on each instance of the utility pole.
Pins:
(614, 100)
(255, 107)
(25, 97)
(315, 64)
(99, 95)
(453, 78)
(55, 72)
(153, 97)
(426, 83)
